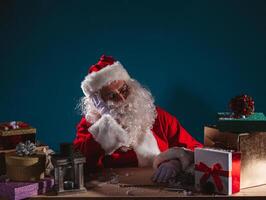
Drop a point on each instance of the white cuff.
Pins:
(108, 133)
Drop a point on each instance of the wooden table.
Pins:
(102, 189)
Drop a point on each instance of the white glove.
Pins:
(185, 156)
(100, 104)
(166, 171)
(109, 134)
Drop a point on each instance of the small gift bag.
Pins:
(217, 168)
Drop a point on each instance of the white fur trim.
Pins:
(185, 156)
(111, 136)
(146, 149)
(96, 80)
(108, 133)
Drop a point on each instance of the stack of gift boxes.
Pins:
(21, 177)
(11, 134)
(234, 156)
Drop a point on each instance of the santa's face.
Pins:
(116, 91)
(131, 105)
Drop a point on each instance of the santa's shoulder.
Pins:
(164, 117)
(162, 113)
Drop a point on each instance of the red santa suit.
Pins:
(166, 132)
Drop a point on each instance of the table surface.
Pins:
(102, 188)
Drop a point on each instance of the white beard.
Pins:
(136, 114)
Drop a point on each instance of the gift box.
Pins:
(3, 153)
(252, 147)
(12, 133)
(252, 123)
(25, 168)
(217, 168)
(21, 190)
(45, 185)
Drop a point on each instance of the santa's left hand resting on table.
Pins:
(172, 162)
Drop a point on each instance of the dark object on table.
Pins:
(183, 181)
(68, 185)
(66, 149)
(186, 180)
(208, 188)
(68, 170)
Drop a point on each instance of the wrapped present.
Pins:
(25, 168)
(3, 153)
(18, 190)
(21, 190)
(25, 164)
(45, 185)
(253, 152)
(12, 133)
(252, 123)
(217, 168)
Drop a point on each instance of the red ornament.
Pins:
(242, 106)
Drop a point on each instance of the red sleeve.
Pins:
(175, 133)
(85, 143)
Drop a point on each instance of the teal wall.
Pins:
(193, 55)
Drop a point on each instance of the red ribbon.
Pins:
(215, 171)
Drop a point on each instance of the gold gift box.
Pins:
(253, 152)
(25, 168)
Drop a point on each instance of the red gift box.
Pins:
(221, 168)
(12, 133)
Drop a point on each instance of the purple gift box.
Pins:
(45, 185)
(22, 190)
(18, 190)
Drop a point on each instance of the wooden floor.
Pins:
(102, 189)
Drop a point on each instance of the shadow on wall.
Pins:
(191, 110)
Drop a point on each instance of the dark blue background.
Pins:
(193, 55)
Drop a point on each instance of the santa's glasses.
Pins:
(116, 95)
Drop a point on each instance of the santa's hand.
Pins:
(185, 156)
(166, 171)
(109, 134)
(100, 104)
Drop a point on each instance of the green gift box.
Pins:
(256, 122)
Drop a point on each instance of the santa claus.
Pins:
(122, 127)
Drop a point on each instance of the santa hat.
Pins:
(106, 70)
